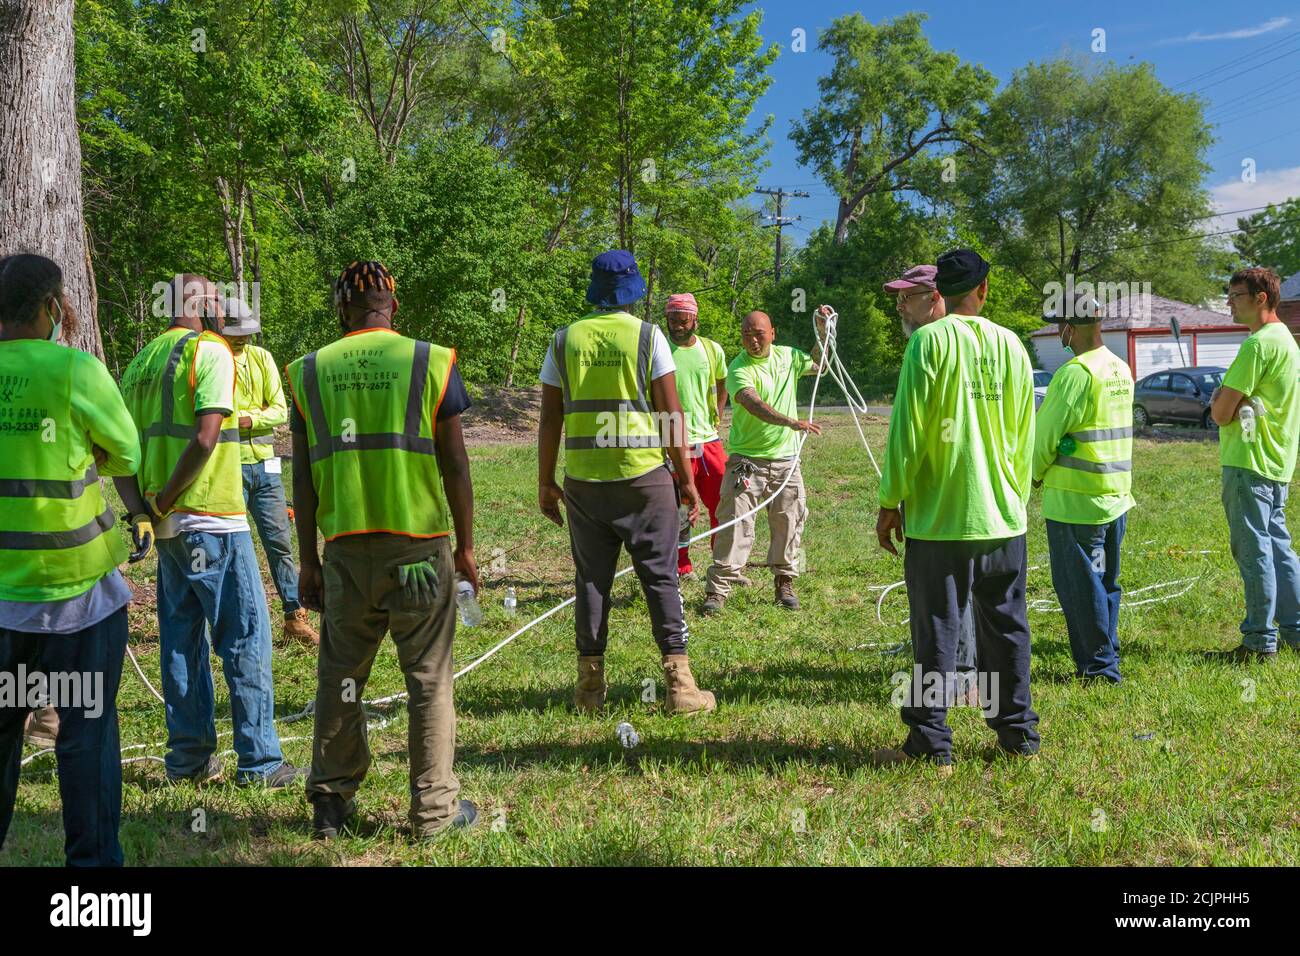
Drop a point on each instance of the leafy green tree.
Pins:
(1095, 173)
(888, 105)
(1271, 237)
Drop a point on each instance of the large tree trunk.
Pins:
(40, 154)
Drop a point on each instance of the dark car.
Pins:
(1177, 395)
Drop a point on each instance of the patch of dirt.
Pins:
(503, 416)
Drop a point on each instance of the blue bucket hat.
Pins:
(615, 280)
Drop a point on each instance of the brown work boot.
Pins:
(297, 627)
(712, 604)
(42, 728)
(785, 595)
(683, 696)
(589, 695)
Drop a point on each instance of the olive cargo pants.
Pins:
(363, 601)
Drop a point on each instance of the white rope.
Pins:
(153, 690)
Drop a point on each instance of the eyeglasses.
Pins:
(1233, 295)
(903, 297)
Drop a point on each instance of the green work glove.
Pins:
(419, 582)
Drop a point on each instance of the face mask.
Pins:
(57, 328)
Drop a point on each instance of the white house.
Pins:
(1144, 337)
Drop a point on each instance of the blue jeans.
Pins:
(1261, 546)
(1085, 573)
(264, 496)
(209, 585)
(87, 751)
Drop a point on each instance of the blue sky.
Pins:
(1181, 38)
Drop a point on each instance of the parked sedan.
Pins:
(1041, 381)
(1177, 395)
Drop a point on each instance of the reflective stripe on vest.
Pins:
(376, 479)
(409, 440)
(634, 447)
(1101, 462)
(56, 531)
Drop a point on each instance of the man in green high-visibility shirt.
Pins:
(1083, 458)
(1258, 411)
(380, 469)
(702, 388)
(608, 387)
(763, 381)
(63, 602)
(259, 407)
(957, 467)
(180, 390)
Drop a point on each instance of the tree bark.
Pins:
(40, 154)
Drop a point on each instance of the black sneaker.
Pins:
(1241, 654)
(330, 815)
(210, 773)
(465, 817)
(282, 776)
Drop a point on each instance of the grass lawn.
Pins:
(1187, 762)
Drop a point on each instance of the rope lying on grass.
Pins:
(830, 363)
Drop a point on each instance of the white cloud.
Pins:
(1243, 33)
(1270, 186)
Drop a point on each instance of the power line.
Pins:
(1205, 235)
(1234, 62)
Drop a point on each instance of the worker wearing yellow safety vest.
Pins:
(381, 472)
(180, 390)
(608, 383)
(259, 407)
(62, 600)
(1083, 459)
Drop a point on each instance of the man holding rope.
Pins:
(762, 382)
(608, 384)
(959, 457)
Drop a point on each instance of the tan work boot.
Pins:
(683, 696)
(589, 694)
(42, 728)
(297, 627)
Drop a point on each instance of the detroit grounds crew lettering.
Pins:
(384, 513)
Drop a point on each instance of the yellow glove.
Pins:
(141, 526)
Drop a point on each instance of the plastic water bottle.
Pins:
(470, 613)
(683, 526)
(511, 602)
(627, 735)
(1258, 404)
(1246, 416)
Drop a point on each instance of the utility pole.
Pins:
(779, 220)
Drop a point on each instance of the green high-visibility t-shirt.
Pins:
(776, 379)
(961, 434)
(699, 369)
(1068, 404)
(1266, 367)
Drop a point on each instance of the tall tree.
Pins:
(1095, 173)
(889, 105)
(40, 152)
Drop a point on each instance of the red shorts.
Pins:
(708, 464)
